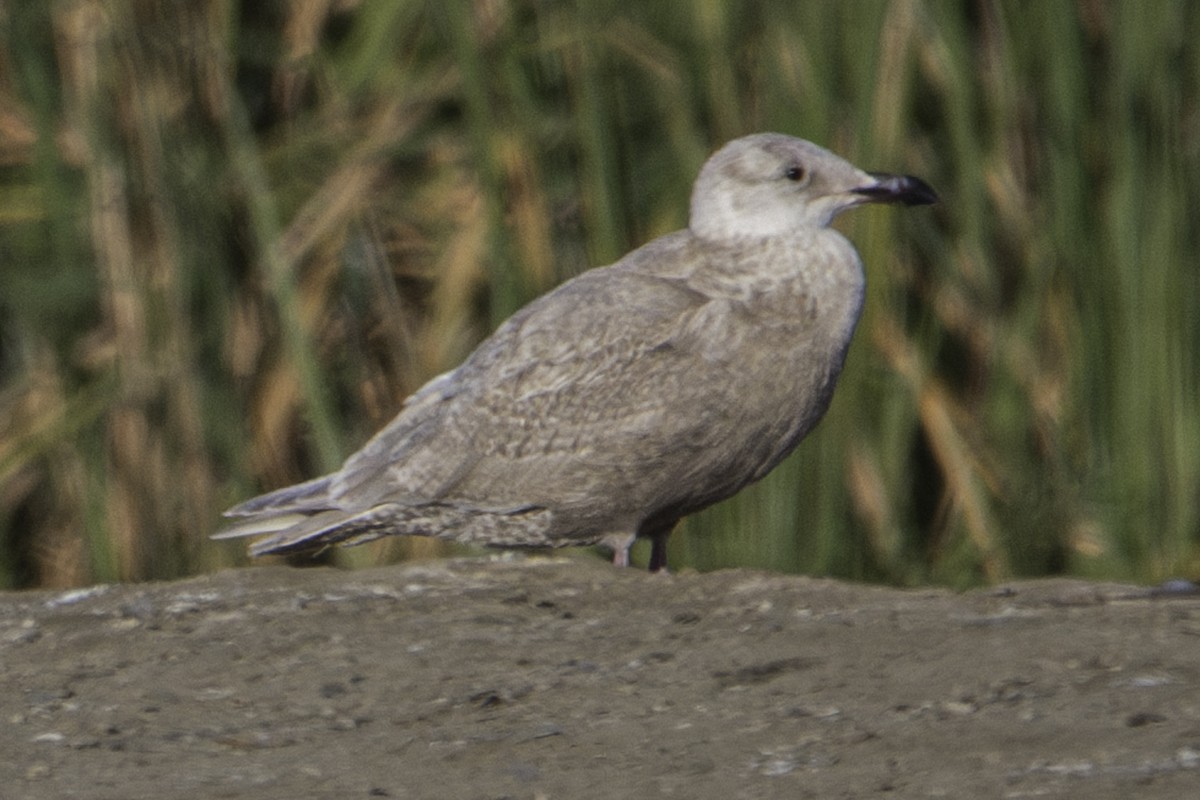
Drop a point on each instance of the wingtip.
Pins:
(257, 527)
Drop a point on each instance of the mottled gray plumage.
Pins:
(630, 396)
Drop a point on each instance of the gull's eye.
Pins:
(795, 173)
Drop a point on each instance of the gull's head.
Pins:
(769, 185)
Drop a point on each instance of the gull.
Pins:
(630, 396)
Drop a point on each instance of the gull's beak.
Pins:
(897, 189)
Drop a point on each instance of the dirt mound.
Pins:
(565, 678)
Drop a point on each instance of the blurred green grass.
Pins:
(233, 236)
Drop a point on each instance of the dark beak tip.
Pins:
(917, 192)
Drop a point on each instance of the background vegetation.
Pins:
(234, 235)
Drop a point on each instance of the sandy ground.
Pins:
(566, 678)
